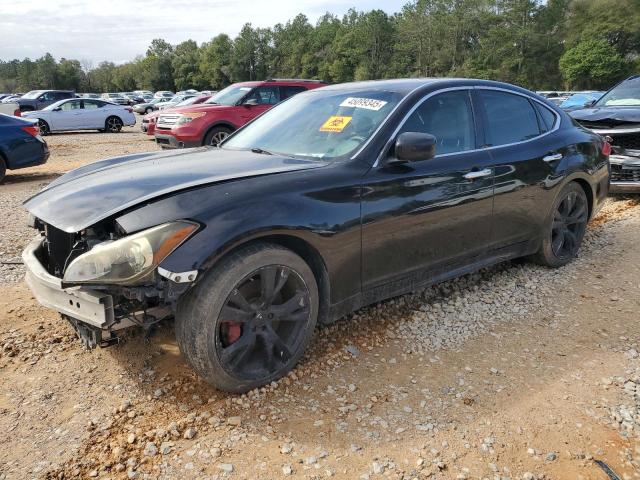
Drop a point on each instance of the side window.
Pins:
(447, 116)
(91, 104)
(47, 97)
(70, 105)
(291, 91)
(547, 117)
(510, 118)
(265, 95)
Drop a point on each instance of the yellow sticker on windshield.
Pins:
(335, 124)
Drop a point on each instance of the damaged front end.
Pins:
(103, 280)
(625, 152)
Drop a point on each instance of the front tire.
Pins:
(249, 321)
(216, 135)
(565, 228)
(113, 125)
(44, 127)
(148, 110)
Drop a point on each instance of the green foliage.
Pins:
(539, 44)
(592, 63)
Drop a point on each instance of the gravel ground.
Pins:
(514, 372)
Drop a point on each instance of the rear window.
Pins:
(510, 118)
(547, 117)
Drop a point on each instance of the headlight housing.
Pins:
(189, 117)
(130, 260)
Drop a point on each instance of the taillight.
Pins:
(17, 113)
(606, 146)
(129, 109)
(33, 131)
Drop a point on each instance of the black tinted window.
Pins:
(510, 118)
(265, 95)
(447, 116)
(290, 91)
(547, 117)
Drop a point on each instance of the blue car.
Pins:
(580, 100)
(21, 145)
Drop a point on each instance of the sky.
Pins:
(118, 30)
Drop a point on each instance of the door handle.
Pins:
(553, 157)
(478, 174)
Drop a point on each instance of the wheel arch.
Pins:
(588, 191)
(221, 123)
(304, 250)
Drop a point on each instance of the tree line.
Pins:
(540, 45)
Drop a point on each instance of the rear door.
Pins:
(525, 151)
(94, 113)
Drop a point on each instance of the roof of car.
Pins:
(407, 85)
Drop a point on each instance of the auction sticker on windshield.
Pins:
(335, 124)
(368, 103)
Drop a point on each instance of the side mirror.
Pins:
(252, 102)
(414, 147)
(57, 109)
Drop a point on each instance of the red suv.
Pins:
(212, 121)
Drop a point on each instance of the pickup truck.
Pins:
(38, 99)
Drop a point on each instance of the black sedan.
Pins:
(336, 198)
(21, 145)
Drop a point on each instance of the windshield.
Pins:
(32, 94)
(625, 94)
(229, 95)
(318, 124)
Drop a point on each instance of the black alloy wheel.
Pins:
(566, 226)
(43, 126)
(569, 222)
(249, 320)
(113, 125)
(262, 321)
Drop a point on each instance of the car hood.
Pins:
(614, 115)
(99, 190)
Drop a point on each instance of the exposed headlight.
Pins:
(189, 117)
(130, 260)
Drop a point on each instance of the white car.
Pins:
(82, 114)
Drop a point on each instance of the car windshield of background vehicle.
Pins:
(32, 94)
(318, 124)
(625, 94)
(229, 96)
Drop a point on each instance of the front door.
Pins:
(69, 116)
(260, 100)
(421, 219)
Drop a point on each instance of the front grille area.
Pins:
(622, 173)
(626, 142)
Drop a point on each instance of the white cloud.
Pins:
(118, 30)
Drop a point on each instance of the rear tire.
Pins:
(3, 169)
(250, 319)
(113, 125)
(565, 228)
(216, 135)
(44, 127)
